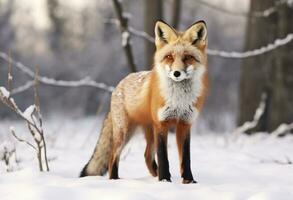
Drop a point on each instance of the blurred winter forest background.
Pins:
(71, 40)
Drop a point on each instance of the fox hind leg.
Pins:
(120, 138)
(121, 135)
(114, 160)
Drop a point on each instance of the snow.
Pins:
(28, 112)
(10, 78)
(226, 168)
(12, 129)
(5, 92)
(125, 38)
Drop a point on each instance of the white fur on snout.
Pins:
(179, 78)
(170, 74)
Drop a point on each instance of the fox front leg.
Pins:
(183, 143)
(162, 153)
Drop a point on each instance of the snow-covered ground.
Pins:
(226, 167)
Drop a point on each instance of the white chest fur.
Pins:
(180, 98)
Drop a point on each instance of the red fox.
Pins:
(171, 94)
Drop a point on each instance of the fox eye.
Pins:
(189, 58)
(169, 57)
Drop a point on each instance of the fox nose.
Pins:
(177, 73)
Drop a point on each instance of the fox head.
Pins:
(180, 55)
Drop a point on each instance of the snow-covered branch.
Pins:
(257, 115)
(226, 54)
(282, 129)
(261, 14)
(141, 34)
(131, 30)
(22, 88)
(87, 81)
(255, 52)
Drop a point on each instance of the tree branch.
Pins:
(282, 129)
(87, 81)
(257, 115)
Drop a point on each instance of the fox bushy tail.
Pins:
(98, 164)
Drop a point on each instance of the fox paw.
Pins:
(185, 181)
(165, 180)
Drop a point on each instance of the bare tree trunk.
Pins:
(153, 11)
(281, 108)
(176, 12)
(7, 37)
(7, 33)
(58, 23)
(271, 73)
(125, 35)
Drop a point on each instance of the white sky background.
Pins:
(37, 8)
(38, 11)
(235, 5)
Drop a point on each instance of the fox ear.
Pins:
(164, 33)
(196, 34)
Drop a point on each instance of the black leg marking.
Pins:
(83, 173)
(186, 171)
(114, 173)
(154, 165)
(164, 172)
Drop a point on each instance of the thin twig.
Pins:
(42, 142)
(21, 140)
